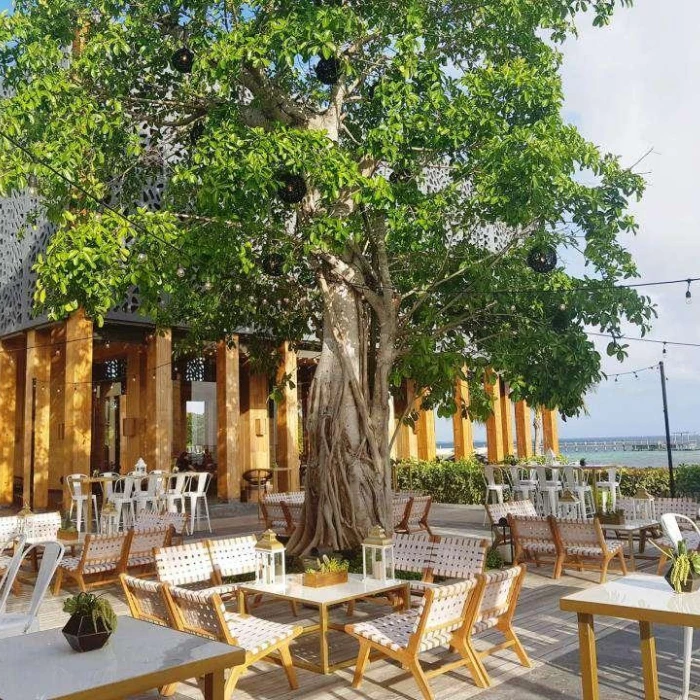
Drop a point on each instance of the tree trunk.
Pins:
(348, 478)
(537, 425)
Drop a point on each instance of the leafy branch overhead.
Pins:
(412, 151)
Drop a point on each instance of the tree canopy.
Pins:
(426, 136)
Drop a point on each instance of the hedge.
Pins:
(462, 482)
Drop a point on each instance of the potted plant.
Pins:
(684, 573)
(326, 571)
(67, 531)
(92, 621)
(611, 517)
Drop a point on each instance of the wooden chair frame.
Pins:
(141, 548)
(593, 537)
(88, 558)
(224, 635)
(408, 657)
(503, 614)
(534, 540)
(410, 517)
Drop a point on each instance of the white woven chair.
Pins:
(534, 540)
(16, 623)
(41, 527)
(176, 521)
(439, 621)
(190, 566)
(416, 515)
(9, 528)
(103, 558)
(143, 543)
(232, 556)
(459, 557)
(203, 613)
(146, 600)
(493, 607)
(582, 543)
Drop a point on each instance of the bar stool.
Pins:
(574, 481)
(78, 498)
(523, 481)
(548, 490)
(609, 487)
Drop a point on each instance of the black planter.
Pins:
(692, 583)
(82, 635)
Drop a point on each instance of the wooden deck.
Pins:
(544, 630)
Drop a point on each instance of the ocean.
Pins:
(653, 458)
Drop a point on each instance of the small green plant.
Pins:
(683, 562)
(67, 523)
(494, 560)
(93, 606)
(328, 565)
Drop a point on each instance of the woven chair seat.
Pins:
(255, 634)
(72, 564)
(141, 560)
(690, 537)
(540, 546)
(392, 631)
(587, 550)
(4, 561)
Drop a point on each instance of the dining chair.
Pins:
(79, 493)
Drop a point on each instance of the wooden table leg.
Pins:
(214, 684)
(588, 658)
(323, 637)
(630, 541)
(241, 601)
(88, 507)
(648, 646)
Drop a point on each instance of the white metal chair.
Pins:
(108, 486)
(574, 483)
(123, 500)
(609, 488)
(523, 482)
(79, 493)
(495, 488)
(151, 498)
(440, 620)
(673, 535)
(548, 490)
(196, 497)
(173, 496)
(13, 624)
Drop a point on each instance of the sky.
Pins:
(632, 87)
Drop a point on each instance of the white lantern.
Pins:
(109, 519)
(22, 516)
(378, 556)
(270, 555)
(642, 505)
(569, 505)
(140, 466)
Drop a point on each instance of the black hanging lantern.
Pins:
(401, 175)
(542, 258)
(293, 188)
(272, 264)
(328, 70)
(196, 132)
(182, 60)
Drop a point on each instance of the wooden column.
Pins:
(78, 394)
(523, 430)
(133, 424)
(494, 433)
(425, 435)
(550, 430)
(159, 401)
(37, 414)
(57, 443)
(258, 422)
(463, 434)
(228, 411)
(506, 421)
(8, 418)
(406, 440)
(287, 453)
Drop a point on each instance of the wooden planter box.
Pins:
(616, 518)
(67, 535)
(318, 579)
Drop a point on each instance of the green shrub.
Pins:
(462, 481)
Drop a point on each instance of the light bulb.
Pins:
(180, 272)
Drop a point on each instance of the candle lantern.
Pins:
(378, 556)
(569, 505)
(22, 518)
(109, 519)
(140, 466)
(642, 505)
(270, 555)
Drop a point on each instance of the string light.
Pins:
(688, 295)
(663, 352)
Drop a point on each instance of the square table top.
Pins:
(356, 587)
(641, 597)
(630, 525)
(42, 666)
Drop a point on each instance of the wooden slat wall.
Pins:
(159, 401)
(494, 434)
(8, 418)
(523, 429)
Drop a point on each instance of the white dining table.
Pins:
(139, 656)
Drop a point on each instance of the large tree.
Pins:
(373, 172)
